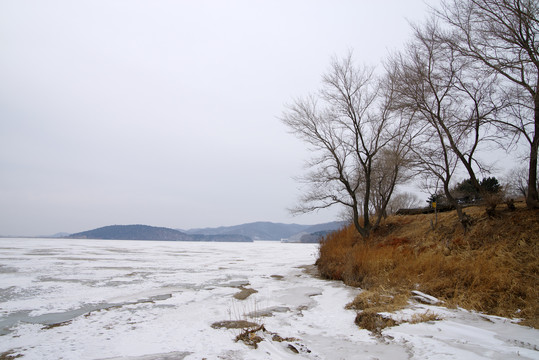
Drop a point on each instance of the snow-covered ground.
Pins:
(143, 300)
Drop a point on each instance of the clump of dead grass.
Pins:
(235, 324)
(493, 268)
(376, 322)
(244, 293)
(373, 306)
(254, 335)
(250, 337)
(373, 321)
(424, 317)
(379, 300)
(9, 355)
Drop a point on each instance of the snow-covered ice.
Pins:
(150, 300)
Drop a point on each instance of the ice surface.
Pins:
(138, 300)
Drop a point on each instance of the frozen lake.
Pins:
(142, 300)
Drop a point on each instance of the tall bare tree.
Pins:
(451, 106)
(502, 36)
(347, 125)
(392, 169)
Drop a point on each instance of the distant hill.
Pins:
(270, 231)
(59, 235)
(145, 232)
(314, 237)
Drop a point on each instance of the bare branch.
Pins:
(351, 125)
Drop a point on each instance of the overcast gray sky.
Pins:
(166, 112)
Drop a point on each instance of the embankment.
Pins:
(493, 268)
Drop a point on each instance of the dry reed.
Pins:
(493, 268)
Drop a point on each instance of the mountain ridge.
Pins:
(259, 230)
(265, 230)
(146, 232)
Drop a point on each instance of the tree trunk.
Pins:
(464, 219)
(364, 232)
(532, 200)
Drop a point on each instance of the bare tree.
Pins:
(436, 163)
(502, 36)
(516, 182)
(347, 125)
(391, 170)
(451, 107)
(403, 200)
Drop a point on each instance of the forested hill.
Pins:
(270, 231)
(145, 232)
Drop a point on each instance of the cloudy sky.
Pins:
(166, 113)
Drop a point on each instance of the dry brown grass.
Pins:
(493, 268)
(373, 321)
(379, 300)
(250, 337)
(9, 355)
(424, 317)
(235, 324)
(244, 293)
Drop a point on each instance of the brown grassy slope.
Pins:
(494, 268)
